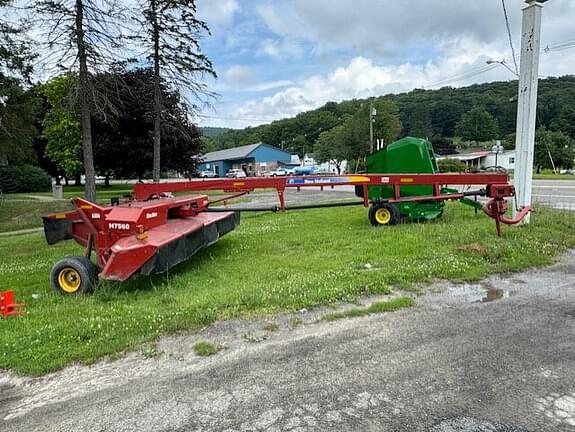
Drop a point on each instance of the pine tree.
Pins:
(81, 36)
(18, 104)
(171, 37)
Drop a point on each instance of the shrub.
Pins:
(24, 178)
(451, 165)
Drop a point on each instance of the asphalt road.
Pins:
(494, 357)
(555, 193)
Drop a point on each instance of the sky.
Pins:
(276, 58)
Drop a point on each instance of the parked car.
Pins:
(279, 172)
(323, 171)
(498, 169)
(304, 170)
(235, 173)
(207, 174)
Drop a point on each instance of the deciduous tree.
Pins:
(553, 145)
(331, 146)
(61, 125)
(122, 139)
(477, 125)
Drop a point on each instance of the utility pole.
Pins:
(527, 102)
(372, 113)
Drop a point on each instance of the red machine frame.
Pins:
(497, 189)
(157, 230)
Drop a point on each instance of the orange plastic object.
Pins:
(7, 305)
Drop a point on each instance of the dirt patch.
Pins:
(474, 248)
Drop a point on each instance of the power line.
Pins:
(509, 36)
(470, 73)
(560, 46)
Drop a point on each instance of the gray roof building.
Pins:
(230, 154)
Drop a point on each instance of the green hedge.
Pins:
(451, 165)
(24, 178)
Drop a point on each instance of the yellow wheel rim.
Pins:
(382, 216)
(69, 280)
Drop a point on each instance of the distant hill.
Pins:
(211, 132)
(423, 113)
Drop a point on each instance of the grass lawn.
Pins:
(271, 263)
(18, 215)
(104, 192)
(551, 176)
(547, 174)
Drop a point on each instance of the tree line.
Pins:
(452, 118)
(118, 78)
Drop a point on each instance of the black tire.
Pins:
(384, 214)
(74, 275)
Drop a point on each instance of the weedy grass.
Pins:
(391, 305)
(19, 215)
(271, 263)
(548, 174)
(271, 326)
(374, 308)
(103, 192)
(206, 348)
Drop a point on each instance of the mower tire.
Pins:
(74, 275)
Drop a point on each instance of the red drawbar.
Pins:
(7, 305)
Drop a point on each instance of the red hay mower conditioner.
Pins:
(155, 231)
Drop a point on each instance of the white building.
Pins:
(485, 159)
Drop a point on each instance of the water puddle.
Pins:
(477, 293)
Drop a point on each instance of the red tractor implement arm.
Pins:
(146, 191)
(497, 188)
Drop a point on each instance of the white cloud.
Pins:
(387, 41)
(270, 85)
(242, 78)
(269, 47)
(239, 75)
(362, 78)
(384, 29)
(217, 12)
(282, 48)
(463, 64)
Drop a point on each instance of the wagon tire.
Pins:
(384, 214)
(74, 275)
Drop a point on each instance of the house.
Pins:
(481, 160)
(308, 160)
(505, 159)
(253, 159)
